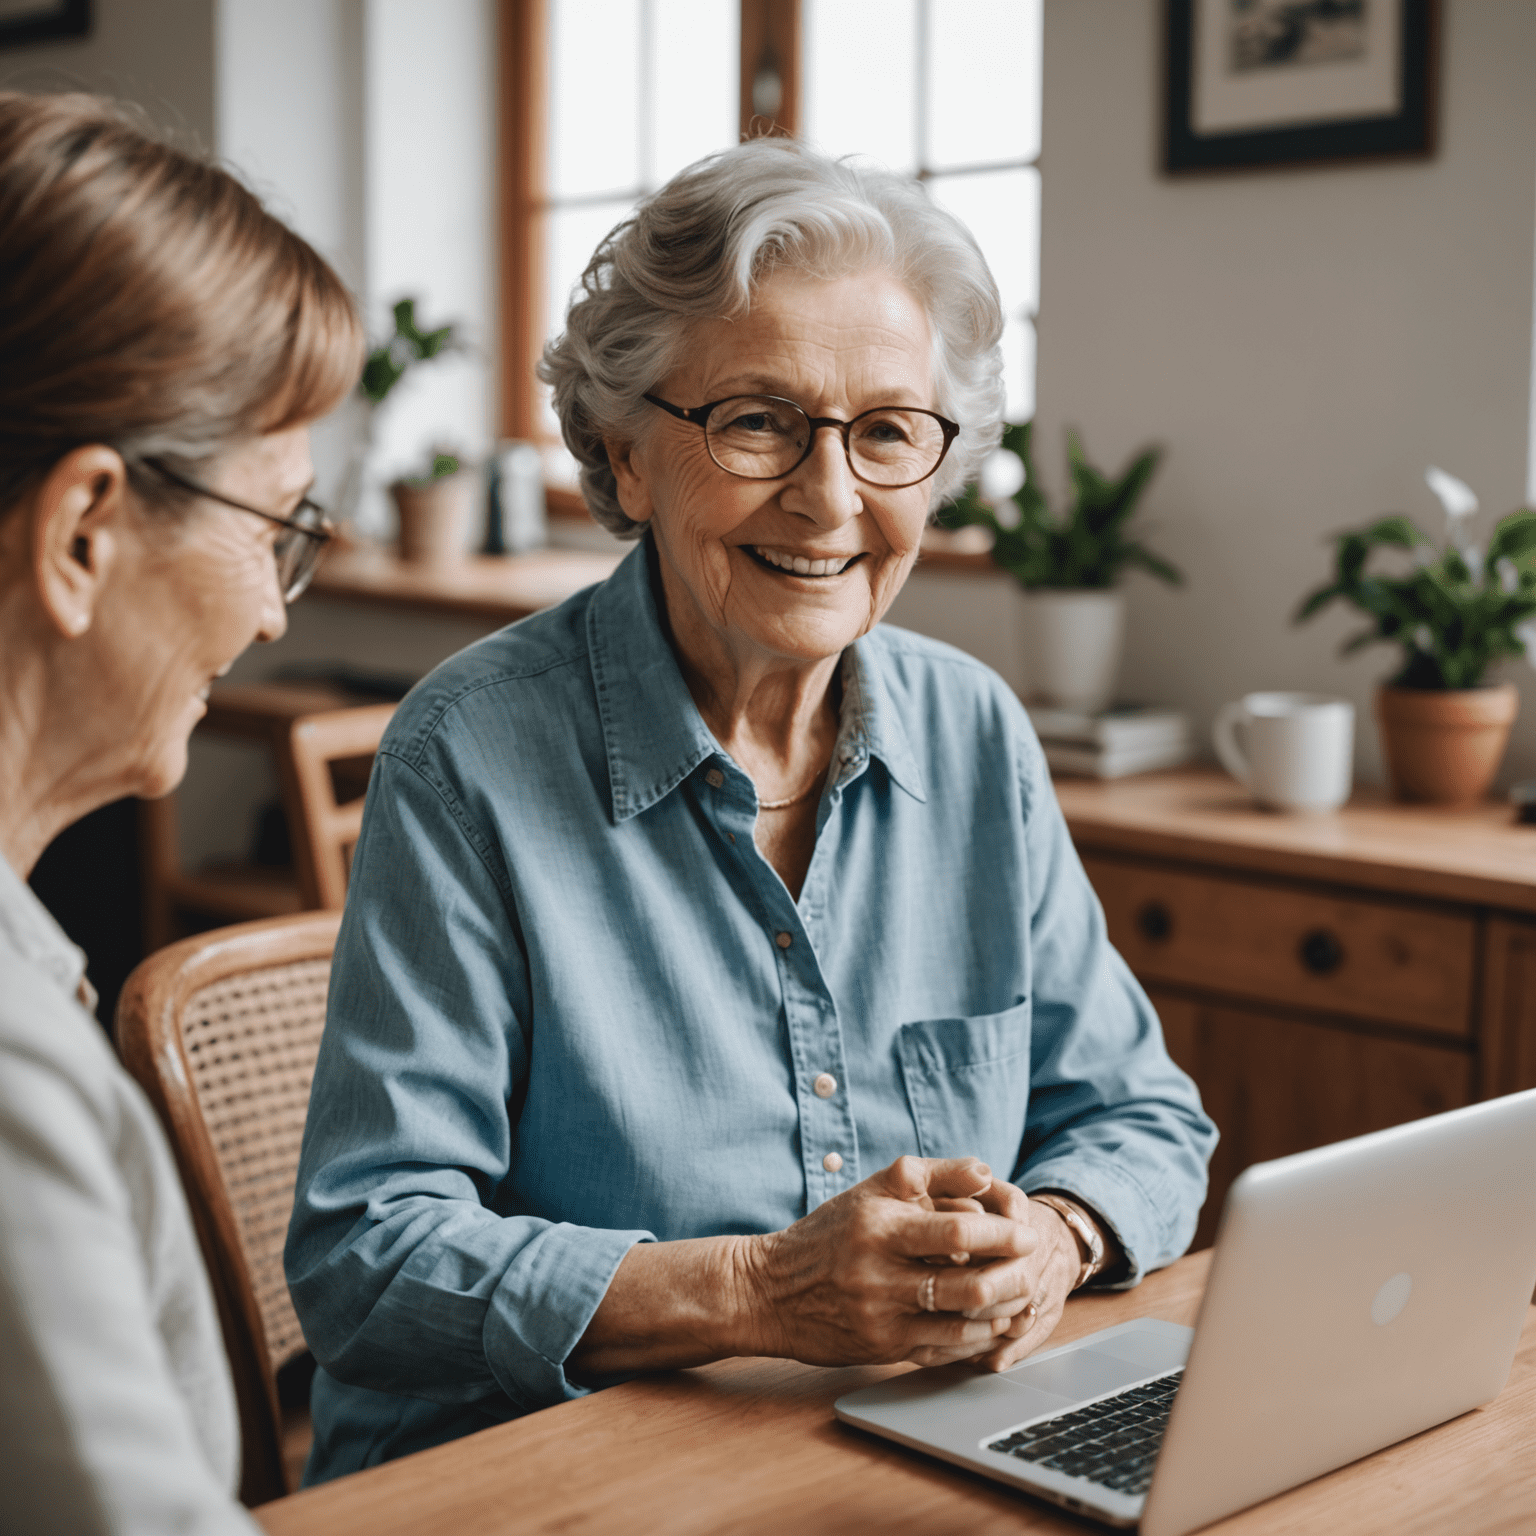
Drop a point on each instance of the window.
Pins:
(605, 99)
(949, 91)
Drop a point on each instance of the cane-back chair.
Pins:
(222, 1030)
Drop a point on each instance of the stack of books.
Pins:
(1124, 739)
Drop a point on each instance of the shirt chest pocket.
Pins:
(967, 1084)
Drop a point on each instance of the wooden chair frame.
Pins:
(305, 732)
(323, 831)
(150, 1042)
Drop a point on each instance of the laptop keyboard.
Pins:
(1113, 1442)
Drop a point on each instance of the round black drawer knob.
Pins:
(1155, 922)
(1321, 952)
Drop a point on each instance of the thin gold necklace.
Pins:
(805, 794)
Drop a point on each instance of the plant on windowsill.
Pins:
(401, 353)
(433, 507)
(1454, 611)
(436, 509)
(1070, 566)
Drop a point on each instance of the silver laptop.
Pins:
(1359, 1293)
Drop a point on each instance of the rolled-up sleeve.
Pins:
(1111, 1118)
(406, 1275)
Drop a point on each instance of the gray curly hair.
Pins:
(696, 249)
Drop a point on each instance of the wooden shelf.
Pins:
(1478, 855)
(500, 588)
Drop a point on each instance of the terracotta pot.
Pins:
(1443, 747)
(435, 518)
(1072, 643)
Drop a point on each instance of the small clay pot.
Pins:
(435, 518)
(1444, 746)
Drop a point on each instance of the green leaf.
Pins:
(1154, 565)
(388, 363)
(1514, 538)
(1319, 598)
(1359, 640)
(1396, 531)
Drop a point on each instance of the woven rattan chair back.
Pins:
(222, 1031)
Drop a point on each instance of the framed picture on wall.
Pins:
(41, 21)
(1254, 83)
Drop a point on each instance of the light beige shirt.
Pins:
(116, 1409)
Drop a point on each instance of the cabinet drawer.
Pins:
(1395, 964)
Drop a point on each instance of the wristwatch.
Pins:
(1084, 1230)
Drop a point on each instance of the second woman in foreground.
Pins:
(717, 974)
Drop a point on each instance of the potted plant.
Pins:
(436, 509)
(436, 493)
(1454, 611)
(1069, 566)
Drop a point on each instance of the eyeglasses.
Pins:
(298, 547)
(765, 437)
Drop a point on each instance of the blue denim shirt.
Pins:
(573, 1007)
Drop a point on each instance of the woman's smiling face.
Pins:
(728, 546)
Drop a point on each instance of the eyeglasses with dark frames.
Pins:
(297, 550)
(765, 437)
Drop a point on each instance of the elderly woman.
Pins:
(164, 343)
(717, 976)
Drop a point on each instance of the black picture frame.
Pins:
(1407, 134)
(45, 22)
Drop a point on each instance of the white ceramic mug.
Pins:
(1295, 751)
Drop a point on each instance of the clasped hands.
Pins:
(931, 1260)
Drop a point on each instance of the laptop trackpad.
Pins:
(1076, 1374)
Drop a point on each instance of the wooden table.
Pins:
(752, 1446)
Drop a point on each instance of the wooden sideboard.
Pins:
(1318, 975)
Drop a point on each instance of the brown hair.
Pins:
(147, 299)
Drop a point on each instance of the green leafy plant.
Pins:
(1089, 547)
(389, 362)
(1450, 619)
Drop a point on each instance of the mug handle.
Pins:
(1224, 739)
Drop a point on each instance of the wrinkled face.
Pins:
(188, 597)
(798, 567)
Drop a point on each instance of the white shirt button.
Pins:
(824, 1086)
(831, 1162)
(783, 940)
(714, 778)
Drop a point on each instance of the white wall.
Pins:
(288, 107)
(430, 213)
(1302, 342)
(369, 126)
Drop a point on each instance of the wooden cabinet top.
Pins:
(1477, 855)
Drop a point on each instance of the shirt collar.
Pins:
(653, 733)
(30, 930)
(652, 730)
(872, 726)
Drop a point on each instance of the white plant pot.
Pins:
(1072, 643)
